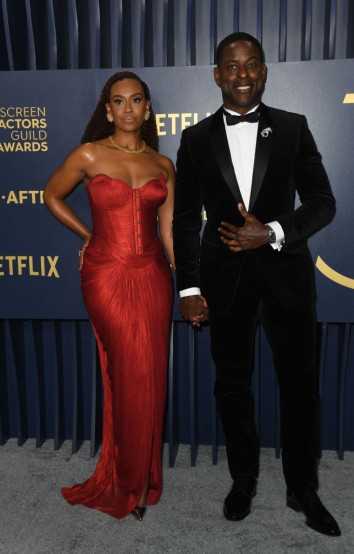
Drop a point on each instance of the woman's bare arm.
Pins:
(61, 184)
(165, 213)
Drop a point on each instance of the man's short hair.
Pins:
(234, 37)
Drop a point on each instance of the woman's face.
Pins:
(127, 105)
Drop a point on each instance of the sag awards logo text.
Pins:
(23, 129)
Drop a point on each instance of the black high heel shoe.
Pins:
(138, 512)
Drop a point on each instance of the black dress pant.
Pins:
(291, 333)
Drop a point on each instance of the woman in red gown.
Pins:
(127, 288)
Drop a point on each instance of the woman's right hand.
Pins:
(82, 252)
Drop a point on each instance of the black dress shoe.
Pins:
(138, 512)
(317, 516)
(237, 504)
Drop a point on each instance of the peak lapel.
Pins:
(264, 149)
(222, 153)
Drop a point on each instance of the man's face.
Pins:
(241, 76)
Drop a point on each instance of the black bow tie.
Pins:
(252, 117)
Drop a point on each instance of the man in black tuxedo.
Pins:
(253, 264)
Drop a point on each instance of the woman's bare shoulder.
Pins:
(163, 161)
(168, 165)
(90, 150)
(92, 147)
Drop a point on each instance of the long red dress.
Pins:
(127, 289)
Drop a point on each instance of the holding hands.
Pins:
(194, 309)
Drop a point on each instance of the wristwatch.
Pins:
(271, 235)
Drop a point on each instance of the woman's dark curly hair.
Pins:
(98, 127)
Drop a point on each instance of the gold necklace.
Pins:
(125, 149)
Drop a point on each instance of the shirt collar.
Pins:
(236, 113)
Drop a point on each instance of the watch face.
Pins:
(272, 237)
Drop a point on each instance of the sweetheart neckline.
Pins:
(161, 180)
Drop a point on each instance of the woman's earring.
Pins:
(109, 117)
(147, 115)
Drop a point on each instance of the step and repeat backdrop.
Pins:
(42, 117)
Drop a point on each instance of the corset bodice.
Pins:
(124, 218)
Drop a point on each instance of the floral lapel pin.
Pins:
(266, 132)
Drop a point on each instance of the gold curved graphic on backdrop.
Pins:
(348, 99)
(320, 264)
(334, 275)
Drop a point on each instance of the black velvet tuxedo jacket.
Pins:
(286, 162)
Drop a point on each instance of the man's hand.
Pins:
(194, 309)
(252, 235)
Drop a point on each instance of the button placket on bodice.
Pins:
(137, 221)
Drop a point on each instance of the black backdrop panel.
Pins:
(42, 116)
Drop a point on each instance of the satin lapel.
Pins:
(264, 149)
(223, 157)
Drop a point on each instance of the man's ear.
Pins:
(217, 75)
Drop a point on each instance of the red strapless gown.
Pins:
(127, 288)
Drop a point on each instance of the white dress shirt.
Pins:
(242, 140)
